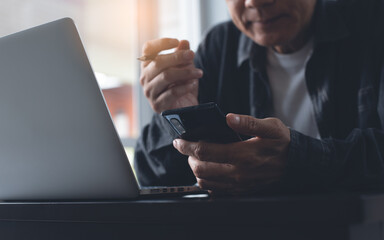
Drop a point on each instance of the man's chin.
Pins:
(268, 40)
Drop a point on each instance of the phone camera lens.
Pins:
(177, 124)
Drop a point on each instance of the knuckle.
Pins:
(278, 125)
(147, 92)
(251, 124)
(276, 122)
(156, 107)
(200, 151)
(197, 170)
(182, 149)
(202, 184)
(165, 75)
(172, 92)
(146, 46)
(156, 64)
(142, 80)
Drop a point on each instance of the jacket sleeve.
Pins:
(353, 164)
(157, 163)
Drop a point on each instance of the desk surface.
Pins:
(332, 209)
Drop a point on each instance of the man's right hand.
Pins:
(170, 80)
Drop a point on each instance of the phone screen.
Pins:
(203, 122)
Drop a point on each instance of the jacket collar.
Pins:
(329, 26)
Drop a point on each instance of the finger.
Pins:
(220, 188)
(234, 188)
(153, 47)
(170, 78)
(183, 45)
(248, 125)
(207, 152)
(260, 169)
(175, 97)
(162, 62)
(216, 186)
(211, 171)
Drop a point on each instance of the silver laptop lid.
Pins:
(57, 139)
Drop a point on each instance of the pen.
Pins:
(146, 58)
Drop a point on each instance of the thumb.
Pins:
(248, 125)
(183, 45)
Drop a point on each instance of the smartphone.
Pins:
(203, 122)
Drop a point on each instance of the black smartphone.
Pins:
(203, 122)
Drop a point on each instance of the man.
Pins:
(303, 78)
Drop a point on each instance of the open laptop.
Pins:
(57, 139)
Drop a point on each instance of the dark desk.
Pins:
(327, 217)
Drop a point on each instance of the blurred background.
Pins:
(113, 32)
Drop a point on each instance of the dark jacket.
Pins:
(345, 80)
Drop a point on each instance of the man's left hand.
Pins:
(240, 167)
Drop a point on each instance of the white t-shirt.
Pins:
(291, 101)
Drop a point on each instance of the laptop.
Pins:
(57, 138)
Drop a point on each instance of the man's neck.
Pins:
(296, 44)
